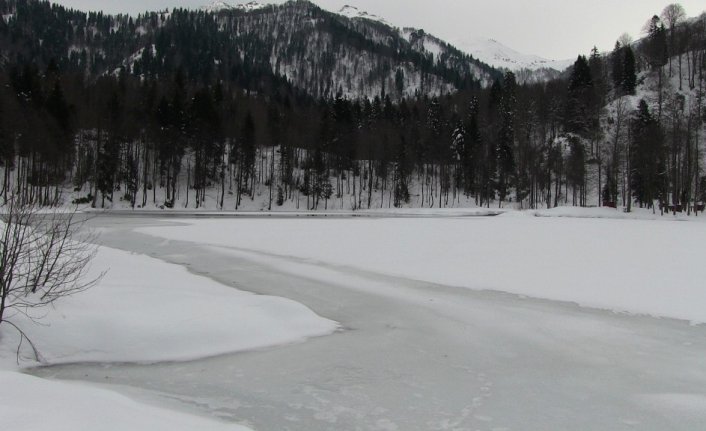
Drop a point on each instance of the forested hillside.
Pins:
(291, 106)
(318, 51)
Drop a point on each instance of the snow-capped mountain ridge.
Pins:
(220, 5)
(487, 50)
(250, 6)
(494, 53)
(353, 12)
(216, 6)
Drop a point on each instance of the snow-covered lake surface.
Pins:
(646, 267)
(430, 339)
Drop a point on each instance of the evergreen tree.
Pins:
(247, 153)
(576, 175)
(629, 72)
(617, 60)
(647, 153)
(401, 174)
(506, 143)
(580, 99)
(472, 146)
(598, 75)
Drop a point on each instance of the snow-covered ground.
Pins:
(638, 266)
(143, 310)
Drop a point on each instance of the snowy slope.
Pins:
(250, 6)
(353, 12)
(489, 51)
(216, 6)
(220, 5)
(496, 54)
(486, 50)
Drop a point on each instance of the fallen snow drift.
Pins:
(30, 403)
(649, 267)
(145, 310)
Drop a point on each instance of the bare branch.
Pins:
(42, 259)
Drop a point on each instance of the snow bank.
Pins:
(29, 403)
(637, 266)
(145, 310)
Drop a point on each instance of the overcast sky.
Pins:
(556, 29)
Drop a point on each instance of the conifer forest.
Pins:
(301, 105)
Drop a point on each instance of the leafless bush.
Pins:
(43, 258)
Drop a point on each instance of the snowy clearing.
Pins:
(636, 266)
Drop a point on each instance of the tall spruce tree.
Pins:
(580, 99)
(647, 157)
(506, 143)
(629, 82)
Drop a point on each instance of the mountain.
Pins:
(250, 6)
(353, 12)
(496, 54)
(216, 6)
(488, 51)
(220, 5)
(528, 68)
(348, 52)
(353, 54)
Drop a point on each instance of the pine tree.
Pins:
(617, 60)
(576, 175)
(580, 99)
(247, 149)
(471, 148)
(629, 73)
(506, 143)
(401, 195)
(647, 157)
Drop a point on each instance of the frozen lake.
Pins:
(414, 354)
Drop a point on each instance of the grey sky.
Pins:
(556, 29)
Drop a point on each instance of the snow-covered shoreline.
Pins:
(30, 403)
(143, 310)
(559, 212)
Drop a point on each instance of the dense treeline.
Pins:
(193, 134)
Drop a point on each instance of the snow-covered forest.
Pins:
(220, 110)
